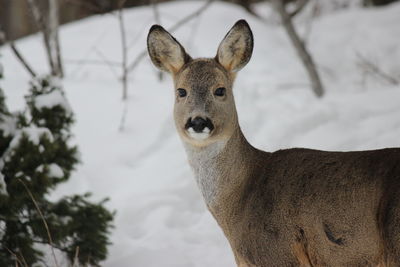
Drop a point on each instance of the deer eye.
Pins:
(182, 92)
(220, 91)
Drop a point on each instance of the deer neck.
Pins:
(221, 168)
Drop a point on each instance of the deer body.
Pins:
(295, 207)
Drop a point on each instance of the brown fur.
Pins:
(300, 252)
(294, 207)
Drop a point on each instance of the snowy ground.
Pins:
(161, 219)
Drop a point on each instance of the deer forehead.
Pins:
(202, 74)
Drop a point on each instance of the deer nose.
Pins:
(198, 124)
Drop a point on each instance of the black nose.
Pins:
(198, 124)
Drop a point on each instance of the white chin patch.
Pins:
(199, 136)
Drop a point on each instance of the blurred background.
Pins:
(92, 172)
(15, 16)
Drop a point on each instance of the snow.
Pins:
(55, 171)
(2, 229)
(7, 125)
(40, 168)
(33, 133)
(161, 219)
(3, 189)
(52, 99)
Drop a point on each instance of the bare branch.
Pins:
(123, 117)
(124, 63)
(54, 41)
(41, 24)
(370, 67)
(155, 11)
(137, 60)
(48, 25)
(107, 62)
(93, 62)
(176, 26)
(23, 258)
(37, 16)
(157, 20)
(16, 52)
(246, 4)
(309, 22)
(43, 219)
(17, 260)
(300, 4)
(22, 60)
(190, 16)
(76, 258)
(301, 50)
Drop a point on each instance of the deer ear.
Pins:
(165, 51)
(236, 48)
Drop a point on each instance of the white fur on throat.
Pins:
(205, 166)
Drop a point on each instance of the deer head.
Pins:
(204, 110)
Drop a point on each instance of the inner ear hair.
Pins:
(165, 51)
(236, 48)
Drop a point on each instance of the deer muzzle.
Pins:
(199, 128)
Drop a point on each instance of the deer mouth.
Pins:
(199, 128)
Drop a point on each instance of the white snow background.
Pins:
(161, 219)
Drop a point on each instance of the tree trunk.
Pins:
(301, 50)
(53, 21)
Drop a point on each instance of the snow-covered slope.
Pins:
(161, 219)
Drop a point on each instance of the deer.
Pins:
(291, 207)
